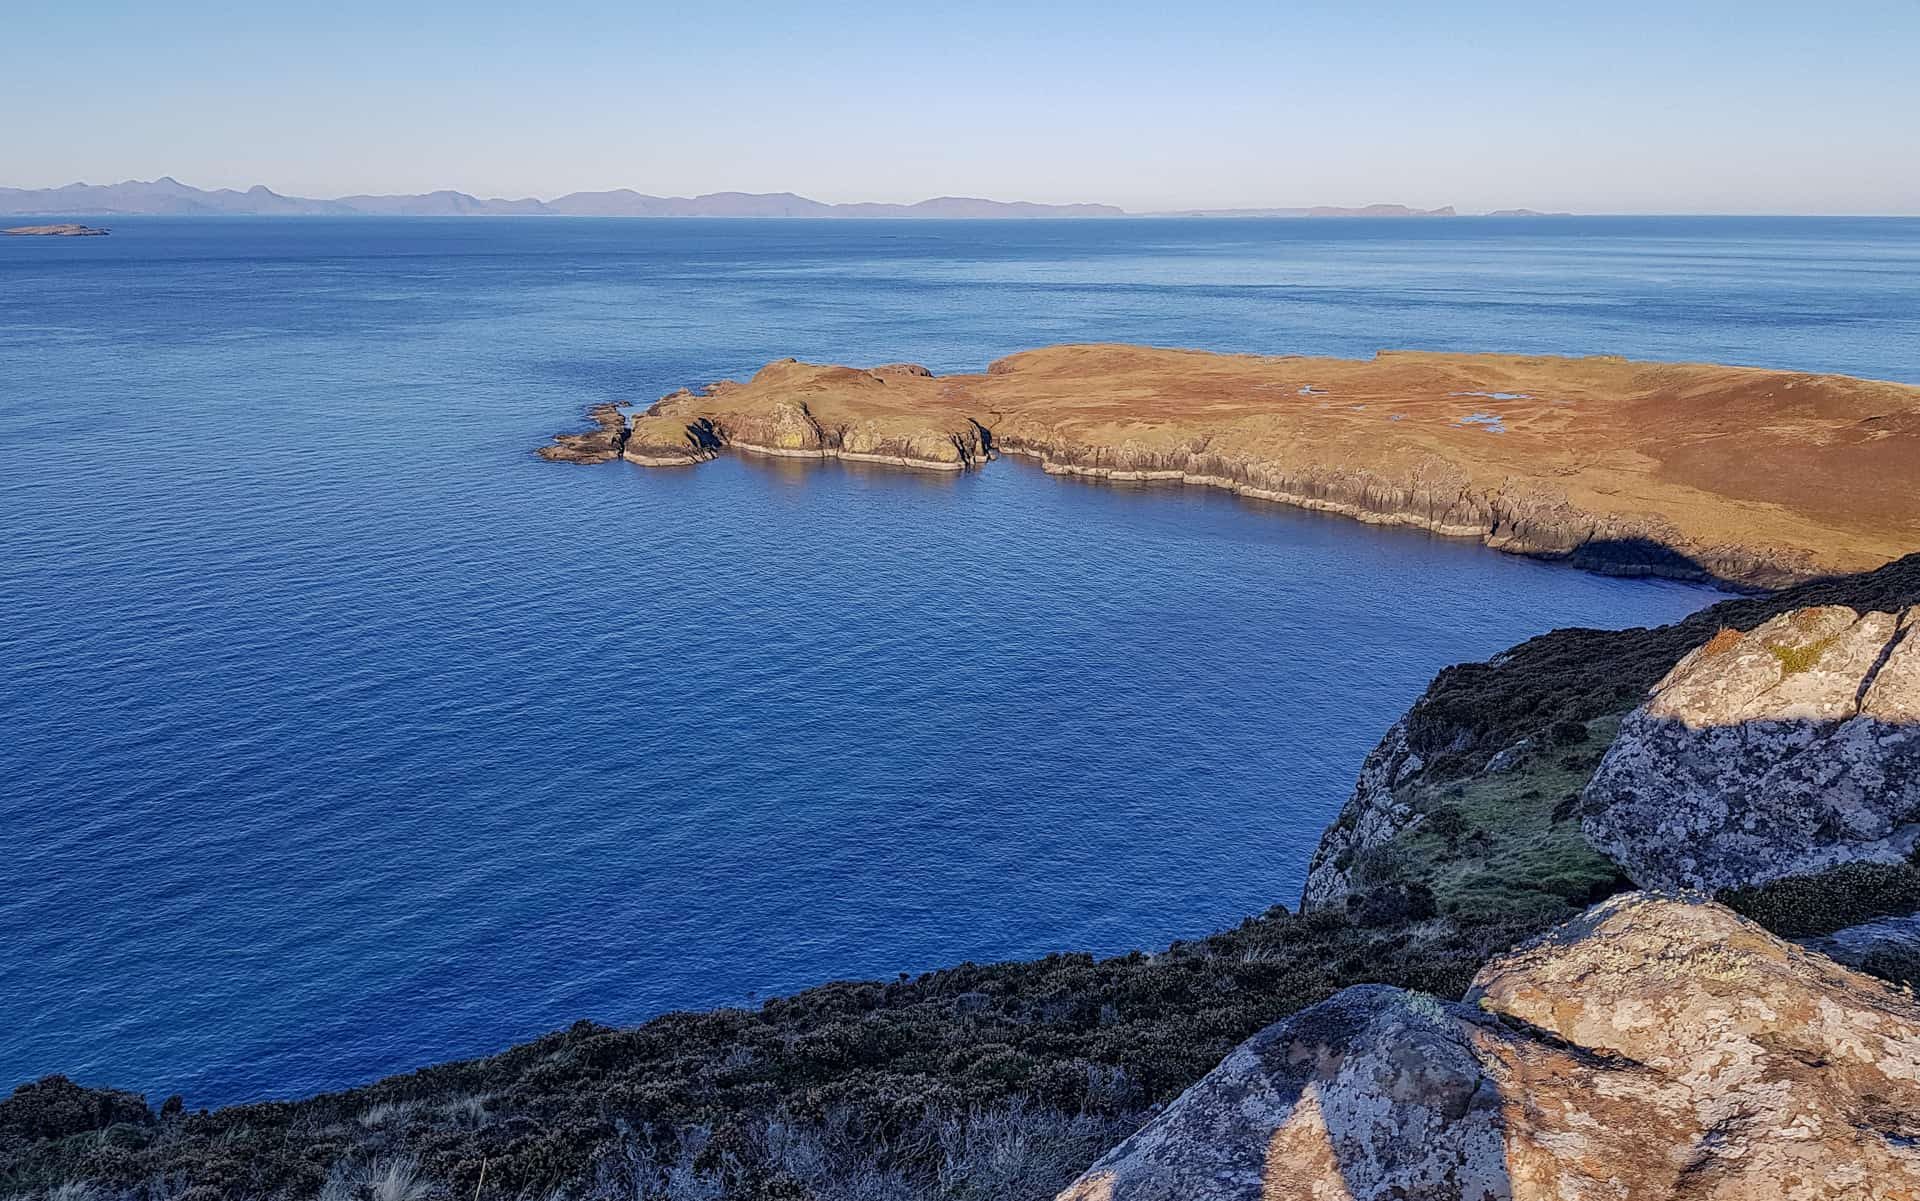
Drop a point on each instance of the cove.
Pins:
(750, 728)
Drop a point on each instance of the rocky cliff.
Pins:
(1755, 478)
(1654, 1048)
(1694, 755)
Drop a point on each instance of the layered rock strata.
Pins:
(602, 444)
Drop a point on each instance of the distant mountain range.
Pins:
(167, 196)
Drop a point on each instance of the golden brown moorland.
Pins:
(1752, 477)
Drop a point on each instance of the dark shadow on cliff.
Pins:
(1647, 557)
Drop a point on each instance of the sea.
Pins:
(340, 735)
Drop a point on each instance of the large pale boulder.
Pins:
(1783, 751)
(1654, 1048)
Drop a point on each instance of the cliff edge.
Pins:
(1755, 748)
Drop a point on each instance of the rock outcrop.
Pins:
(1372, 817)
(1755, 478)
(1784, 751)
(599, 445)
(1477, 791)
(1654, 1048)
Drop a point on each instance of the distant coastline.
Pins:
(168, 197)
(54, 231)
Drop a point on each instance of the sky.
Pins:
(1681, 106)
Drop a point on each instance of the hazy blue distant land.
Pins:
(168, 197)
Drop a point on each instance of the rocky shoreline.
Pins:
(1748, 478)
(1497, 524)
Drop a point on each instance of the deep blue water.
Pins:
(339, 735)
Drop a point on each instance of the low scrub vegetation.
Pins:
(1007, 1078)
(1809, 906)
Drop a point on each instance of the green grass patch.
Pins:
(1505, 846)
(1796, 659)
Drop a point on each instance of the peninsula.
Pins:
(1752, 478)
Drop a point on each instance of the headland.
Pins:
(1749, 477)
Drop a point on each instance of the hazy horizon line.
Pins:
(1112, 210)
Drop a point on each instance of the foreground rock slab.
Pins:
(1784, 751)
(1654, 1048)
(1756, 478)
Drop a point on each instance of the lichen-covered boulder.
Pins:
(1375, 1092)
(1788, 1076)
(1654, 1048)
(1783, 751)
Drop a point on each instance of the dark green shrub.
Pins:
(1397, 904)
(1447, 824)
(1808, 906)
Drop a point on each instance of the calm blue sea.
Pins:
(340, 735)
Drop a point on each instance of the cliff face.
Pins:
(1692, 755)
(1755, 478)
(1653, 1048)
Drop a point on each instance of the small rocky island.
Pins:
(1755, 479)
(55, 231)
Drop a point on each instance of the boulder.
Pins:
(1657, 1047)
(1784, 751)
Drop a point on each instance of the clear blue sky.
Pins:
(1760, 106)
